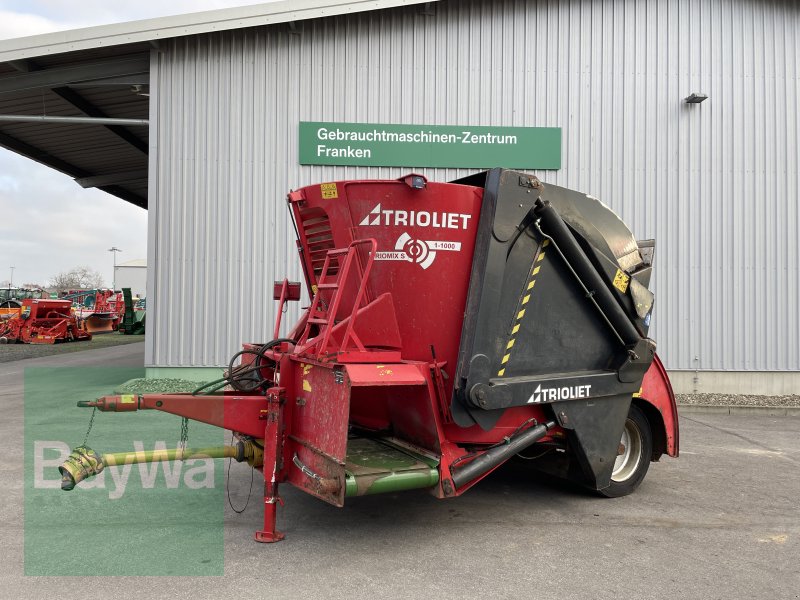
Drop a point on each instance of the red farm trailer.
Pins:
(451, 327)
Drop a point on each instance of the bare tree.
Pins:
(77, 278)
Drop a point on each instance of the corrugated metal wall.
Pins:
(716, 184)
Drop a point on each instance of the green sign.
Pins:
(457, 146)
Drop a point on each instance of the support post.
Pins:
(273, 458)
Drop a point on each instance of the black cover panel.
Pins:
(550, 317)
(594, 429)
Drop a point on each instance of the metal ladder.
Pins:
(342, 260)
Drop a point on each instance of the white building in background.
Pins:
(132, 274)
(681, 115)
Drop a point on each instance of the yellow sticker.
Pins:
(127, 399)
(329, 191)
(314, 289)
(306, 386)
(621, 281)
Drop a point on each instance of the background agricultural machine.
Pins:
(11, 300)
(42, 321)
(98, 311)
(134, 315)
(451, 327)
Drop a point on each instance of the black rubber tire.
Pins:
(631, 470)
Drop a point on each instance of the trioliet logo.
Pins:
(415, 218)
(554, 394)
(408, 249)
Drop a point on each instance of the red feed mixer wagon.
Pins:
(452, 326)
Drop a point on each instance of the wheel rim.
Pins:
(630, 453)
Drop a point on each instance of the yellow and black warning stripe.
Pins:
(521, 307)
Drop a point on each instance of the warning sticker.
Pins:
(329, 191)
(621, 281)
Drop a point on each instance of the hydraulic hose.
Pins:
(236, 377)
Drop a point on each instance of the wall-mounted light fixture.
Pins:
(141, 90)
(695, 98)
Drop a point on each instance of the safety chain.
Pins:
(91, 422)
(184, 435)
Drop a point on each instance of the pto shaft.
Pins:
(84, 462)
(148, 456)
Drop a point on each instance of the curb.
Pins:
(763, 411)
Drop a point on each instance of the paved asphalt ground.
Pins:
(723, 521)
(15, 352)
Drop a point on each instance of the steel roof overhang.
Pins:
(103, 72)
(68, 94)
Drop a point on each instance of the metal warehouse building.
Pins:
(209, 142)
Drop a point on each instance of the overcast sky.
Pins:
(49, 224)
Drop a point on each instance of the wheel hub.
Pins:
(629, 453)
